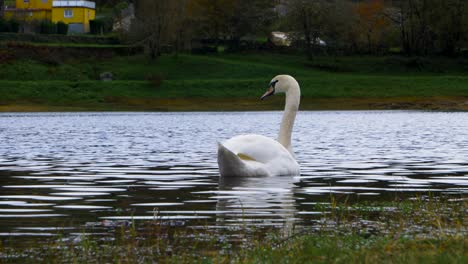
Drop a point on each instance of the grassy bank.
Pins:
(422, 230)
(232, 82)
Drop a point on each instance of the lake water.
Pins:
(88, 171)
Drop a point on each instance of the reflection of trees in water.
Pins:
(257, 201)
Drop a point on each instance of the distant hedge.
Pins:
(100, 26)
(54, 38)
(62, 28)
(47, 27)
(9, 25)
(55, 55)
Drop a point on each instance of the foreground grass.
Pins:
(424, 230)
(303, 249)
(140, 84)
(355, 249)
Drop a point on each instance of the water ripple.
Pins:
(62, 169)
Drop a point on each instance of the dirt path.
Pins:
(251, 104)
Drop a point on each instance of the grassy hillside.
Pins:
(232, 82)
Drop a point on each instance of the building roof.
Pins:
(87, 4)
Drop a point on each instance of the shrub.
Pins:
(62, 28)
(100, 26)
(204, 50)
(47, 27)
(3, 25)
(40, 38)
(6, 56)
(96, 26)
(14, 26)
(417, 63)
(9, 25)
(329, 66)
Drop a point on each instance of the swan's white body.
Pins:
(256, 155)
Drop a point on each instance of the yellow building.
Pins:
(29, 10)
(76, 14)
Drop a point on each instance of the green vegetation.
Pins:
(30, 38)
(224, 80)
(424, 230)
(10, 25)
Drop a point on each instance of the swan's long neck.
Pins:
(293, 98)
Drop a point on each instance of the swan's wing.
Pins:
(232, 164)
(255, 155)
(257, 148)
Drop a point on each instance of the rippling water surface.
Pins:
(69, 171)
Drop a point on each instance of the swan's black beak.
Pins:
(269, 92)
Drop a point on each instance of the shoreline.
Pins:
(445, 103)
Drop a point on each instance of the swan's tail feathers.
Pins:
(229, 163)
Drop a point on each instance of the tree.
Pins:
(232, 19)
(428, 26)
(110, 3)
(159, 24)
(212, 17)
(310, 18)
(340, 28)
(372, 22)
(2, 8)
(452, 25)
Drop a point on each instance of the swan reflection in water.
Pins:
(257, 201)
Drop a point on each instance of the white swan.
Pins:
(256, 155)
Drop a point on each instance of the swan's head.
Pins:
(280, 84)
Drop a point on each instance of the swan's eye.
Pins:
(273, 83)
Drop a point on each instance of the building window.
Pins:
(26, 1)
(68, 13)
(45, 1)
